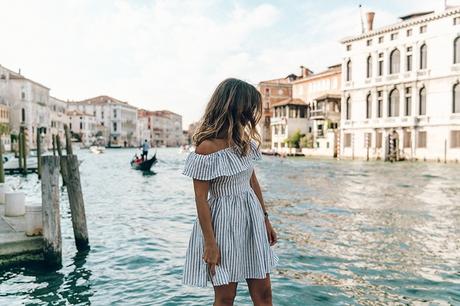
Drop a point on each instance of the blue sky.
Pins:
(170, 54)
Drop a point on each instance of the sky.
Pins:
(171, 54)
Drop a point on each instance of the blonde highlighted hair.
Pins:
(232, 113)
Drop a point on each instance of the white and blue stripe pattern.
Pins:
(237, 220)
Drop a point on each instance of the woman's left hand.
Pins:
(272, 238)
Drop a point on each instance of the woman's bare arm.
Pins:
(204, 213)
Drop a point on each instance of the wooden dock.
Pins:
(15, 246)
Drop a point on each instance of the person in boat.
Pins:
(137, 159)
(145, 149)
(232, 237)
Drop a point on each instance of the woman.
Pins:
(231, 239)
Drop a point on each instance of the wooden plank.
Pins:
(52, 246)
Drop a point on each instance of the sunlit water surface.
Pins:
(350, 233)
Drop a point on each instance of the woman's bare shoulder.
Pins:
(209, 146)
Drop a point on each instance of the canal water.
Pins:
(350, 233)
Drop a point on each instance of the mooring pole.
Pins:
(77, 205)
(53, 141)
(52, 246)
(24, 152)
(20, 150)
(61, 161)
(39, 154)
(2, 171)
(68, 140)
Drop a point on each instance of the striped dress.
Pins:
(237, 219)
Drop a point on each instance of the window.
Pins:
(23, 115)
(408, 102)
(378, 140)
(393, 103)
(367, 140)
(456, 98)
(114, 126)
(409, 32)
(348, 47)
(369, 106)
(369, 42)
(407, 139)
(114, 113)
(421, 139)
(455, 139)
(409, 59)
(457, 50)
(394, 36)
(348, 70)
(423, 29)
(456, 20)
(380, 68)
(380, 39)
(379, 104)
(423, 51)
(348, 109)
(81, 125)
(369, 67)
(102, 114)
(422, 102)
(23, 95)
(395, 57)
(347, 140)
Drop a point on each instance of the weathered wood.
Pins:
(62, 162)
(53, 141)
(20, 149)
(68, 141)
(52, 246)
(24, 152)
(39, 154)
(77, 206)
(2, 171)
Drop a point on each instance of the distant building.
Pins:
(322, 94)
(58, 118)
(83, 126)
(144, 126)
(191, 131)
(272, 91)
(289, 116)
(401, 89)
(166, 128)
(119, 117)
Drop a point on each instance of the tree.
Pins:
(294, 140)
(307, 141)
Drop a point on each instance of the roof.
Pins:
(416, 14)
(334, 69)
(103, 99)
(17, 76)
(328, 97)
(280, 81)
(412, 19)
(76, 112)
(290, 101)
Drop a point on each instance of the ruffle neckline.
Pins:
(225, 162)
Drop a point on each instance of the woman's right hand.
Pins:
(212, 257)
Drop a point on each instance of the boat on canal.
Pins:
(145, 165)
(97, 149)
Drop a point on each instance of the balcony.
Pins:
(320, 114)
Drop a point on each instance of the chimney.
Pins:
(19, 72)
(304, 71)
(370, 20)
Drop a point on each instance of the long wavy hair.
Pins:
(232, 113)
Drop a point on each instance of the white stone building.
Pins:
(166, 129)
(120, 119)
(58, 117)
(401, 89)
(83, 125)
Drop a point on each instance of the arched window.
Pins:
(368, 106)
(422, 102)
(23, 115)
(348, 70)
(395, 59)
(348, 108)
(369, 67)
(457, 50)
(423, 55)
(456, 98)
(393, 103)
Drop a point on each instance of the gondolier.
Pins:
(145, 150)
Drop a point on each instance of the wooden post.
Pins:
(68, 141)
(20, 149)
(62, 162)
(39, 154)
(445, 151)
(2, 171)
(53, 140)
(77, 206)
(24, 152)
(52, 246)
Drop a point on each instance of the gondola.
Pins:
(145, 165)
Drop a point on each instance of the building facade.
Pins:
(83, 126)
(401, 89)
(166, 129)
(321, 92)
(58, 117)
(272, 92)
(118, 117)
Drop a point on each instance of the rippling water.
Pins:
(351, 233)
